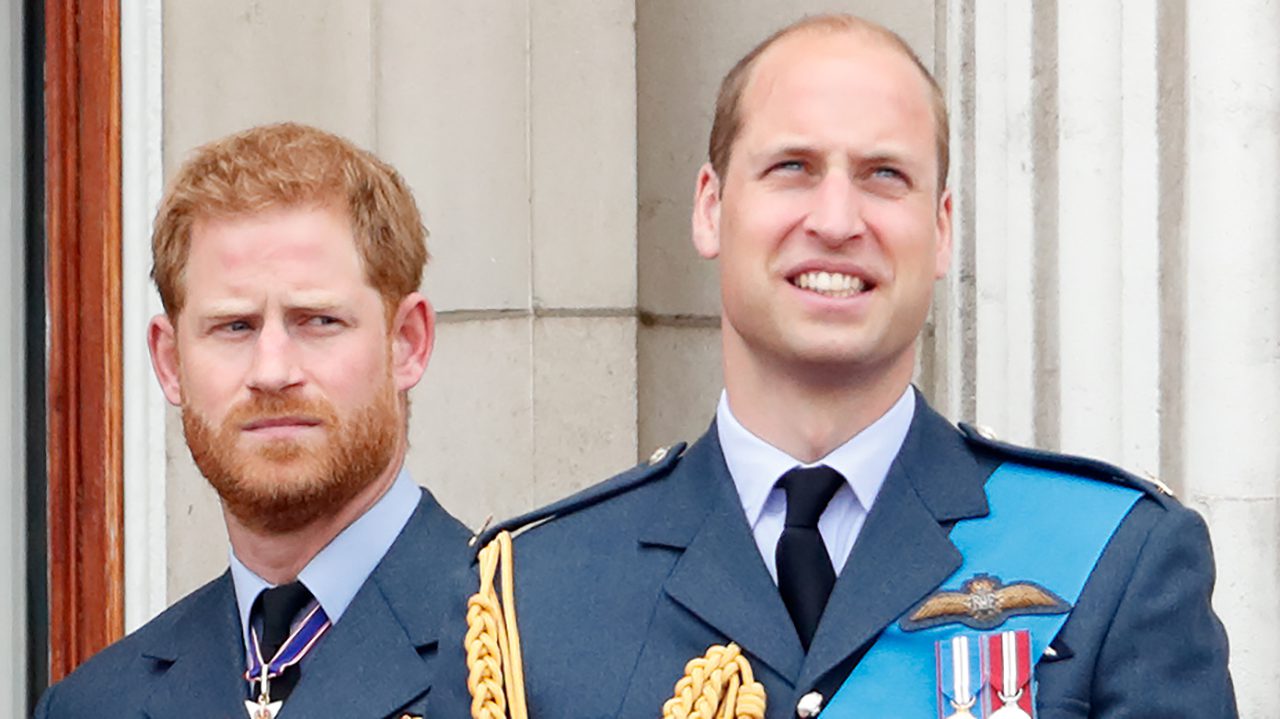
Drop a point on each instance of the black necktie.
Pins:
(805, 575)
(279, 607)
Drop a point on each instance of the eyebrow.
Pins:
(229, 309)
(886, 156)
(225, 310)
(792, 148)
(893, 156)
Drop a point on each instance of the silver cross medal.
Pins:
(264, 708)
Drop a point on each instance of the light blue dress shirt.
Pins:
(335, 574)
(756, 466)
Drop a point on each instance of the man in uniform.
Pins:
(866, 556)
(289, 263)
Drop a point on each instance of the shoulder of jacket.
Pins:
(984, 439)
(659, 464)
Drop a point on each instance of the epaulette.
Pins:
(658, 465)
(1070, 464)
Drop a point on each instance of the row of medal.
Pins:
(986, 676)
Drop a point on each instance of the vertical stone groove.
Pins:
(1171, 124)
(1044, 78)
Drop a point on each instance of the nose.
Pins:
(835, 216)
(275, 364)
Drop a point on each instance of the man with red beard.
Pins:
(289, 263)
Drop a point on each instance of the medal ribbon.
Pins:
(1009, 670)
(960, 676)
(300, 642)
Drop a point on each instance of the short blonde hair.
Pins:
(292, 165)
(728, 114)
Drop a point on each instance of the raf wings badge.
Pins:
(983, 602)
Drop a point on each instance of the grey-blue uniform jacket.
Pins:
(378, 661)
(627, 581)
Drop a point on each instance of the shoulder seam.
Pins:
(1062, 462)
(622, 483)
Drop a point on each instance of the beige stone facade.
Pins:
(1114, 289)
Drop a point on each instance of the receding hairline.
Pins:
(729, 117)
(870, 35)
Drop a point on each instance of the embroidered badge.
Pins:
(983, 602)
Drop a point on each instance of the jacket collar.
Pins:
(370, 663)
(902, 553)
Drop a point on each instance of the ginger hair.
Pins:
(283, 166)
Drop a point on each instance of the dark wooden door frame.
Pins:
(85, 495)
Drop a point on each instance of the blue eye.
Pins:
(322, 321)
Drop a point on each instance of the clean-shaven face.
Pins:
(829, 225)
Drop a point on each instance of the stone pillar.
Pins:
(1116, 169)
(1231, 341)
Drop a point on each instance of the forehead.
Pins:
(283, 247)
(836, 81)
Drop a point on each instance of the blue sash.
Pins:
(1044, 527)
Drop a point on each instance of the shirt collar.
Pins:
(335, 574)
(864, 459)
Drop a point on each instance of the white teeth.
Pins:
(834, 284)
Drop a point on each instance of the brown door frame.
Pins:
(85, 367)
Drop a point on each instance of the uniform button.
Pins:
(658, 455)
(809, 705)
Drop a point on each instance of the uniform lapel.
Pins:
(903, 551)
(720, 576)
(372, 662)
(201, 658)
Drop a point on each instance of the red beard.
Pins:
(284, 484)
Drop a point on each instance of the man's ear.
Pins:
(706, 213)
(162, 341)
(942, 258)
(413, 335)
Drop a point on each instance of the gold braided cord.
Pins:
(717, 685)
(495, 669)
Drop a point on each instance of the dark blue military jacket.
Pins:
(378, 661)
(626, 582)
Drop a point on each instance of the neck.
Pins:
(808, 412)
(279, 558)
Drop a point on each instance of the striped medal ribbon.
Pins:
(260, 672)
(959, 677)
(1009, 674)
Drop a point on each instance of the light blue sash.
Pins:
(1044, 527)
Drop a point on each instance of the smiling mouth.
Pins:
(830, 284)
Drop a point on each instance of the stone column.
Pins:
(1115, 295)
(1231, 341)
